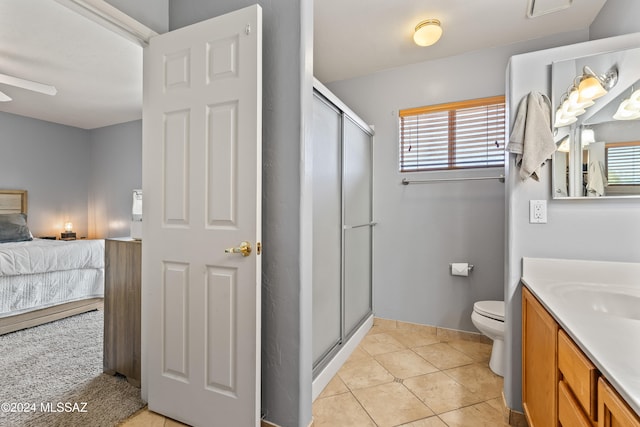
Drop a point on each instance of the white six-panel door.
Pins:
(202, 192)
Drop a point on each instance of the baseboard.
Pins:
(511, 417)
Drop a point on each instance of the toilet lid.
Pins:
(492, 309)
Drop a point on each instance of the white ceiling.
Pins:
(98, 74)
(357, 37)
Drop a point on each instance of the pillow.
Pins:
(13, 228)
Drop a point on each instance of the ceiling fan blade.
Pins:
(4, 97)
(28, 84)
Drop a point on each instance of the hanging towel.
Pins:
(531, 138)
(596, 180)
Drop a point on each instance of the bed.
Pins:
(43, 280)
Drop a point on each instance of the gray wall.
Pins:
(71, 174)
(152, 13)
(116, 169)
(51, 162)
(615, 18)
(287, 96)
(423, 227)
(582, 229)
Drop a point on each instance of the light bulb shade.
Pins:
(574, 104)
(626, 111)
(427, 32)
(68, 227)
(564, 145)
(587, 136)
(590, 88)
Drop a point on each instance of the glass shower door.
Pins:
(327, 233)
(358, 224)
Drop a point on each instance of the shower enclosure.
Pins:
(342, 225)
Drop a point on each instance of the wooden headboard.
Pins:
(13, 201)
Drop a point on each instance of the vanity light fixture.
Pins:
(629, 109)
(592, 86)
(427, 32)
(581, 93)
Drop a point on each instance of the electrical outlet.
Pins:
(537, 211)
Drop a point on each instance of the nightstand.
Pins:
(123, 260)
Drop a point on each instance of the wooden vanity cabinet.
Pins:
(612, 409)
(560, 385)
(578, 381)
(539, 365)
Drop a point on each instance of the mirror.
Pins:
(598, 156)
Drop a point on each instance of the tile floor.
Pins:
(403, 375)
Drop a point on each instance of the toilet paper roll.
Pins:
(459, 269)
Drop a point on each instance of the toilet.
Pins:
(488, 317)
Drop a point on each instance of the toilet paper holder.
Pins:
(457, 269)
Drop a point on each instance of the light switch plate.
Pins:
(537, 211)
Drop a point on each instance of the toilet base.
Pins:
(497, 358)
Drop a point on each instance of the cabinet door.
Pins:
(327, 230)
(612, 410)
(357, 188)
(539, 372)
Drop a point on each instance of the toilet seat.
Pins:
(491, 309)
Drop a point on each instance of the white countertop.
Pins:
(570, 291)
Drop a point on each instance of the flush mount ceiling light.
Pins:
(427, 32)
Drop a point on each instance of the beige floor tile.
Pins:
(412, 338)
(144, 418)
(340, 410)
(365, 372)
(443, 356)
(441, 393)
(497, 404)
(173, 423)
(479, 379)
(381, 323)
(391, 404)
(426, 422)
(426, 329)
(478, 351)
(358, 353)
(452, 334)
(380, 343)
(335, 386)
(405, 364)
(480, 415)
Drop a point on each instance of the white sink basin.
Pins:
(607, 299)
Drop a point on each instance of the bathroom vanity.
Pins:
(581, 343)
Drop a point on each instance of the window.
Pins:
(623, 163)
(458, 135)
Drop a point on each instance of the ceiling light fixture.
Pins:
(427, 32)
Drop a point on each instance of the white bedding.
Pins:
(43, 273)
(42, 256)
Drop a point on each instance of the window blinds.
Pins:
(468, 134)
(623, 163)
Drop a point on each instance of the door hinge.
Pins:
(247, 29)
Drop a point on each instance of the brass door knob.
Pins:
(244, 249)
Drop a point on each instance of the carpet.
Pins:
(51, 376)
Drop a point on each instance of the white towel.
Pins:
(596, 180)
(532, 138)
